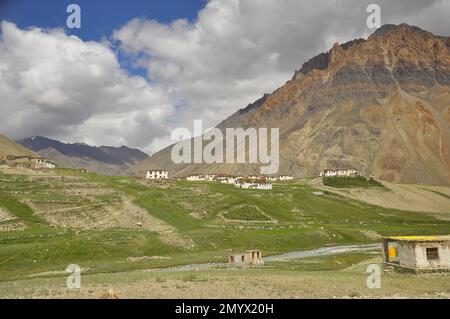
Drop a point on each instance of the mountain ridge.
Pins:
(380, 105)
(101, 159)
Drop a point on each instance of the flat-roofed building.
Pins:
(417, 253)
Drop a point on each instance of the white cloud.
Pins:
(237, 50)
(56, 85)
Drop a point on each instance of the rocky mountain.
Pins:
(103, 159)
(379, 105)
(10, 148)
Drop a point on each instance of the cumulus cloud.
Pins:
(235, 51)
(56, 85)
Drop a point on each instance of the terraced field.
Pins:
(121, 224)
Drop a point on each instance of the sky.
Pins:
(137, 69)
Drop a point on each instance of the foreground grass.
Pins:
(341, 276)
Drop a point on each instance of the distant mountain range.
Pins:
(103, 159)
(379, 105)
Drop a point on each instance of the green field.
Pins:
(53, 236)
(345, 182)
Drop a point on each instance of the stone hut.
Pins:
(249, 258)
(417, 254)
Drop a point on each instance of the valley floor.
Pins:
(343, 276)
(124, 233)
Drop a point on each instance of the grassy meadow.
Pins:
(60, 219)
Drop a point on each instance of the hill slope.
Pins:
(9, 147)
(380, 105)
(103, 159)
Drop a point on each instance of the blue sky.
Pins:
(99, 18)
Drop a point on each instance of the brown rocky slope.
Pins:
(380, 105)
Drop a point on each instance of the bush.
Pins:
(347, 182)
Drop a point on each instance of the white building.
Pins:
(196, 178)
(210, 177)
(253, 184)
(285, 178)
(157, 174)
(417, 253)
(38, 163)
(251, 257)
(339, 173)
(229, 180)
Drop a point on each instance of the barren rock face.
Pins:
(380, 105)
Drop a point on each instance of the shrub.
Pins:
(347, 182)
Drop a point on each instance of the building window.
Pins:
(432, 254)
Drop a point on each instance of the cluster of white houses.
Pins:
(26, 162)
(248, 182)
(227, 179)
(339, 173)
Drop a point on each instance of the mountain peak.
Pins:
(398, 28)
(381, 106)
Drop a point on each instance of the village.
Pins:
(258, 182)
(417, 254)
(26, 162)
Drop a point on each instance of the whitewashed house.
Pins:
(157, 174)
(418, 254)
(260, 184)
(230, 180)
(285, 178)
(226, 179)
(210, 177)
(251, 257)
(196, 178)
(28, 162)
(39, 163)
(339, 173)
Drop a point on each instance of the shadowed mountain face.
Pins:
(381, 106)
(103, 159)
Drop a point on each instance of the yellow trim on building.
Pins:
(421, 238)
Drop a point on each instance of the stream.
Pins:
(323, 251)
